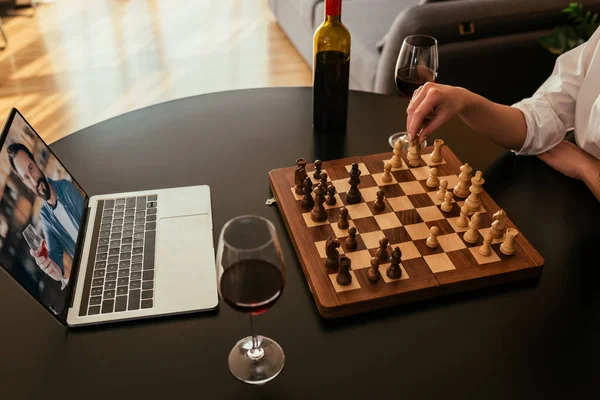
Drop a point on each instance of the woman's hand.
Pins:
(568, 159)
(432, 105)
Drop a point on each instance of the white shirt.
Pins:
(61, 214)
(568, 99)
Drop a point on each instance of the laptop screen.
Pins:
(41, 208)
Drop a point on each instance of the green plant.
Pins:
(582, 26)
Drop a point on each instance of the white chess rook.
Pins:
(508, 246)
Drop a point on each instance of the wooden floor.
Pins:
(79, 62)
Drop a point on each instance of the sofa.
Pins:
(487, 46)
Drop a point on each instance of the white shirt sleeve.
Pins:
(550, 112)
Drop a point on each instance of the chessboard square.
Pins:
(339, 288)
(359, 259)
(427, 159)
(338, 203)
(366, 181)
(341, 185)
(413, 187)
(418, 231)
(366, 225)
(388, 221)
(383, 270)
(392, 191)
(484, 231)
(451, 242)
(403, 167)
(362, 167)
(360, 210)
(340, 233)
(452, 180)
(379, 182)
(421, 200)
(310, 223)
(452, 222)
(439, 262)
(409, 217)
(371, 239)
(493, 257)
(370, 193)
(409, 250)
(296, 195)
(421, 173)
(401, 203)
(320, 245)
(431, 213)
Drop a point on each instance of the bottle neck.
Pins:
(333, 19)
(333, 10)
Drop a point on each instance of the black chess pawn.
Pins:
(300, 175)
(382, 253)
(344, 278)
(373, 273)
(333, 256)
(323, 177)
(343, 220)
(353, 195)
(351, 242)
(331, 200)
(394, 271)
(318, 167)
(307, 200)
(318, 213)
(379, 205)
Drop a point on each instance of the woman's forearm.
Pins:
(504, 125)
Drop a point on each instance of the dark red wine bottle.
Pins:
(331, 72)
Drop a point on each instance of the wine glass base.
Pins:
(256, 370)
(402, 136)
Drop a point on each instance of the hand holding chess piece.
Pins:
(344, 278)
(508, 246)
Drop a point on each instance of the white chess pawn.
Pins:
(414, 153)
(432, 240)
(486, 250)
(397, 158)
(471, 236)
(508, 246)
(447, 204)
(387, 173)
(462, 221)
(436, 154)
(441, 194)
(433, 180)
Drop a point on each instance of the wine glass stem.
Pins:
(256, 351)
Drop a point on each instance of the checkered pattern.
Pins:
(411, 209)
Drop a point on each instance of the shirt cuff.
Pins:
(526, 110)
(544, 128)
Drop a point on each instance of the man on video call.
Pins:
(60, 213)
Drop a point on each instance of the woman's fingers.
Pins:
(438, 119)
(418, 97)
(422, 110)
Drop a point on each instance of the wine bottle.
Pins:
(331, 72)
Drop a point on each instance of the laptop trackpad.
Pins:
(186, 274)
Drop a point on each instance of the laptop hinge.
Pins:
(79, 249)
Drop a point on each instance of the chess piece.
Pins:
(323, 178)
(331, 200)
(343, 220)
(373, 273)
(333, 256)
(500, 217)
(344, 278)
(307, 200)
(414, 153)
(318, 213)
(508, 246)
(382, 253)
(379, 205)
(474, 201)
(463, 221)
(353, 195)
(387, 173)
(432, 240)
(394, 271)
(396, 160)
(462, 187)
(486, 250)
(433, 180)
(447, 204)
(436, 154)
(441, 194)
(351, 242)
(471, 236)
(300, 175)
(318, 167)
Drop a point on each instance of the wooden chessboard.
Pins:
(411, 208)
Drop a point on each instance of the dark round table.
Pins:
(524, 340)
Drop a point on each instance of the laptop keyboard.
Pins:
(123, 275)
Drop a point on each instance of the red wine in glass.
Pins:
(262, 286)
(43, 251)
(409, 79)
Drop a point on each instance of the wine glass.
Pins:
(251, 278)
(38, 244)
(417, 64)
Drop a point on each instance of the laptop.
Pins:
(104, 258)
